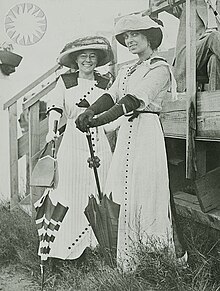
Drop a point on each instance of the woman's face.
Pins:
(87, 61)
(136, 42)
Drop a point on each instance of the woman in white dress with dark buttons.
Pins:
(72, 94)
(138, 175)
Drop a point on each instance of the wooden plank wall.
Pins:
(208, 118)
(173, 116)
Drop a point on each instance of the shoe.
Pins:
(183, 261)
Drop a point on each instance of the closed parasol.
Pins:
(102, 214)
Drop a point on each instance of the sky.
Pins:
(67, 20)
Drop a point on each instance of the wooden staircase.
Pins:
(30, 143)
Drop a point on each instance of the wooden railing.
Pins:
(30, 143)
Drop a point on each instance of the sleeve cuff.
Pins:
(59, 110)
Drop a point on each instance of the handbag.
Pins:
(45, 172)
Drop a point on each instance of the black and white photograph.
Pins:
(110, 145)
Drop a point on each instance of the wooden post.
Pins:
(190, 88)
(34, 143)
(13, 154)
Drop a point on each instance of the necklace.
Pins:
(134, 67)
(139, 62)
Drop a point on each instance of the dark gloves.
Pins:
(112, 114)
(84, 119)
(100, 105)
(125, 105)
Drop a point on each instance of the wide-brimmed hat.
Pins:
(98, 43)
(138, 23)
(9, 58)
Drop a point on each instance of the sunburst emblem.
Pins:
(25, 24)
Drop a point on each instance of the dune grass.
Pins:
(19, 243)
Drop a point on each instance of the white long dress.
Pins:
(76, 179)
(138, 175)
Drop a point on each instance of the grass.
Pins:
(19, 243)
(18, 238)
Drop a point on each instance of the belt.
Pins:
(136, 113)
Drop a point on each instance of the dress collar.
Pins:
(71, 80)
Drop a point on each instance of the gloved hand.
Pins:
(108, 116)
(127, 104)
(84, 119)
(100, 105)
(51, 136)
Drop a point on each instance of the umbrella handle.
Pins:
(89, 139)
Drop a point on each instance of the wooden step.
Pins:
(208, 190)
(187, 205)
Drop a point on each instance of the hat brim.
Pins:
(9, 58)
(68, 57)
(155, 30)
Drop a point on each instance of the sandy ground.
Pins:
(14, 279)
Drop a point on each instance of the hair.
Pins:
(154, 37)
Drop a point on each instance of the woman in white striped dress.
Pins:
(72, 94)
